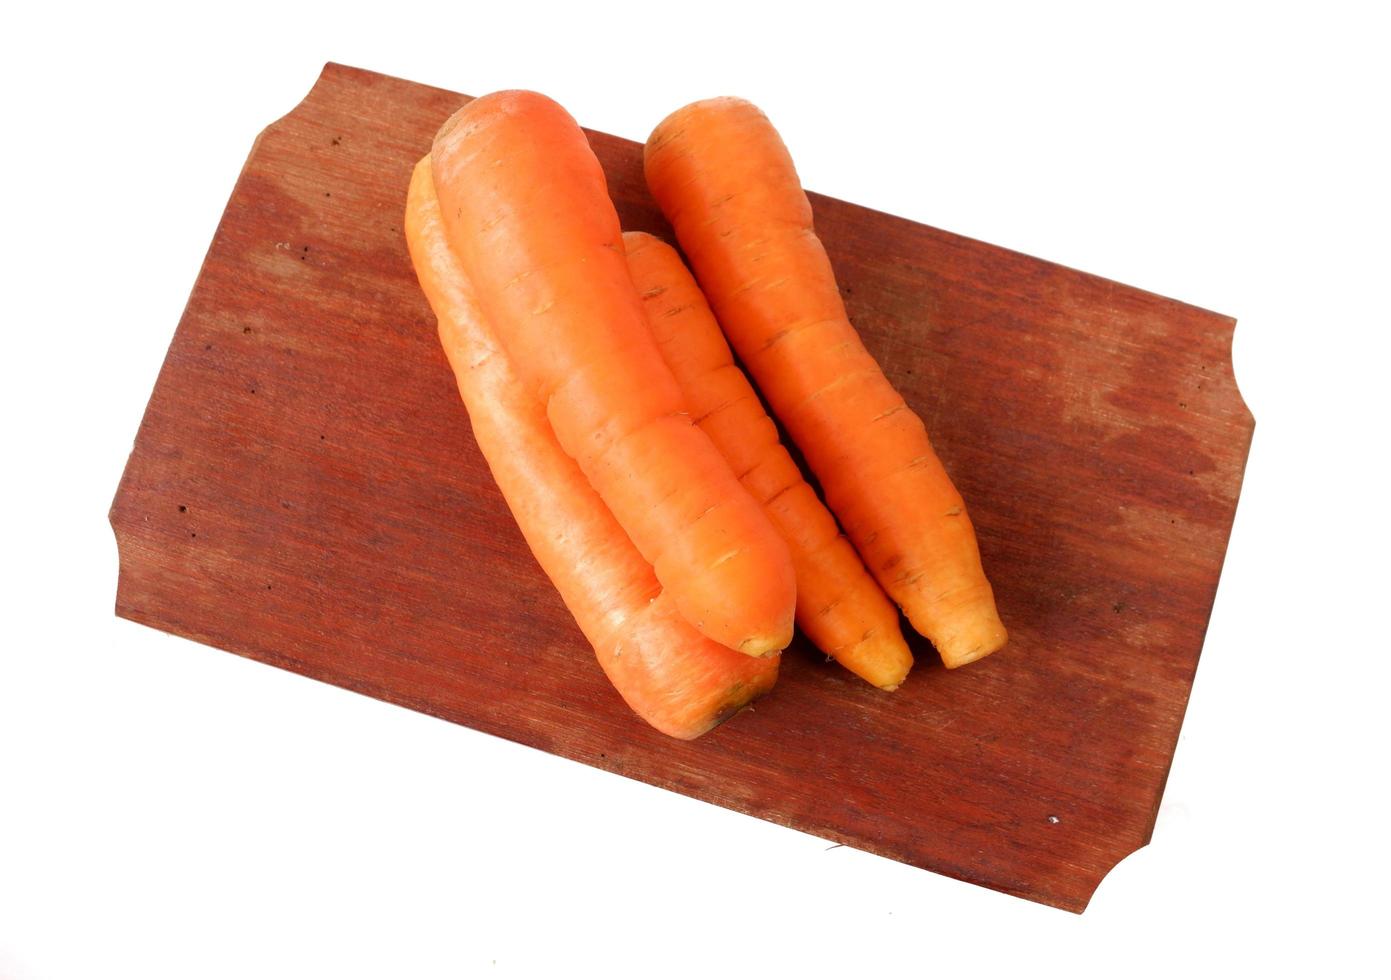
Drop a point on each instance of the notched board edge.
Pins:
(1242, 405)
(330, 75)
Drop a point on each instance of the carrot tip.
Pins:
(764, 646)
(882, 659)
(953, 656)
(741, 699)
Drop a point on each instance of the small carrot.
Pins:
(527, 212)
(727, 184)
(680, 682)
(839, 606)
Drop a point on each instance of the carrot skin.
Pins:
(839, 606)
(526, 210)
(679, 681)
(727, 184)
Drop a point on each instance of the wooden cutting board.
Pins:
(305, 490)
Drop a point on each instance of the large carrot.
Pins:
(677, 680)
(839, 606)
(727, 184)
(527, 212)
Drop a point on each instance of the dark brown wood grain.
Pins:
(304, 490)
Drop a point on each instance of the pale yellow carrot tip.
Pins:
(763, 646)
(988, 636)
(881, 659)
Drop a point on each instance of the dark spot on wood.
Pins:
(327, 194)
(336, 140)
(1119, 607)
(183, 508)
(244, 330)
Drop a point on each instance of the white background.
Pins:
(168, 810)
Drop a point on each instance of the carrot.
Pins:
(527, 212)
(839, 606)
(677, 680)
(727, 184)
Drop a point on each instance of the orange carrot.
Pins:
(680, 682)
(527, 212)
(725, 180)
(839, 607)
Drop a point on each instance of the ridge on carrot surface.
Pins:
(728, 186)
(840, 607)
(527, 212)
(676, 679)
